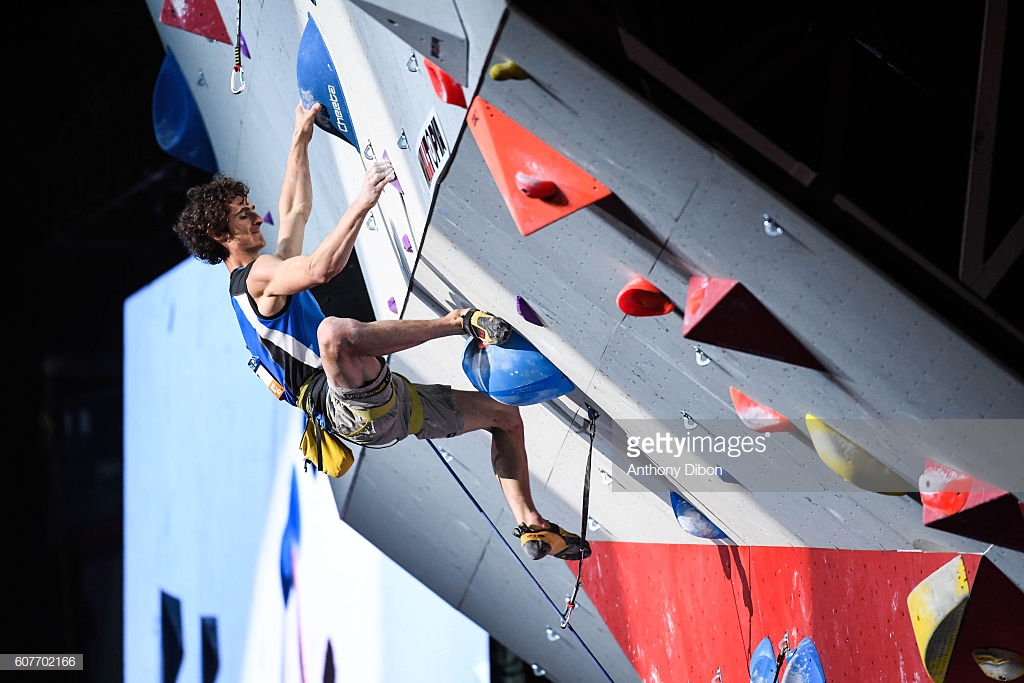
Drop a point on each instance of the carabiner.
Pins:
(237, 79)
(570, 604)
(568, 613)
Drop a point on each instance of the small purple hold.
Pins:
(529, 315)
(407, 243)
(394, 183)
(392, 306)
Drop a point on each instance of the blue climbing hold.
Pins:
(319, 82)
(290, 540)
(515, 373)
(692, 520)
(763, 664)
(177, 122)
(803, 664)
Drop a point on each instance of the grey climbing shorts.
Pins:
(441, 417)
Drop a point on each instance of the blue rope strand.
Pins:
(518, 559)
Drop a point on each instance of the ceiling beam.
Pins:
(669, 76)
(975, 271)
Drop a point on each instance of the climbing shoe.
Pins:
(486, 328)
(556, 541)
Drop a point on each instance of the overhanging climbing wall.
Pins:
(677, 215)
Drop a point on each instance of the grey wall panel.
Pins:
(601, 127)
(522, 620)
(553, 269)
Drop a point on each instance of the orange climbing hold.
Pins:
(445, 87)
(641, 298)
(758, 417)
(514, 154)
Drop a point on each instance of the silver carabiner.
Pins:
(237, 79)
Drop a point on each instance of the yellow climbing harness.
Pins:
(326, 450)
(328, 453)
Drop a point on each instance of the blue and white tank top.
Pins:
(285, 344)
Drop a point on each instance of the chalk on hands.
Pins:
(385, 170)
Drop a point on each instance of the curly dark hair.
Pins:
(206, 215)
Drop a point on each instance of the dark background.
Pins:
(98, 196)
(877, 97)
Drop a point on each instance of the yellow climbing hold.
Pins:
(936, 607)
(853, 463)
(507, 70)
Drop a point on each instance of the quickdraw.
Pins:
(570, 603)
(237, 74)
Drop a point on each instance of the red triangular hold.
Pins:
(445, 87)
(201, 17)
(960, 504)
(725, 313)
(509, 149)
(641, 298)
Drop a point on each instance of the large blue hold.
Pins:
(319, 82)
(515, 373)
(177, 121)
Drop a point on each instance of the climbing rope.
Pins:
(237, 75)
(519, 559)
(783, 651)
(368, 153)
(570, 605)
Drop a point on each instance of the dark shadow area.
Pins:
(507, 667)
(103, 195)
